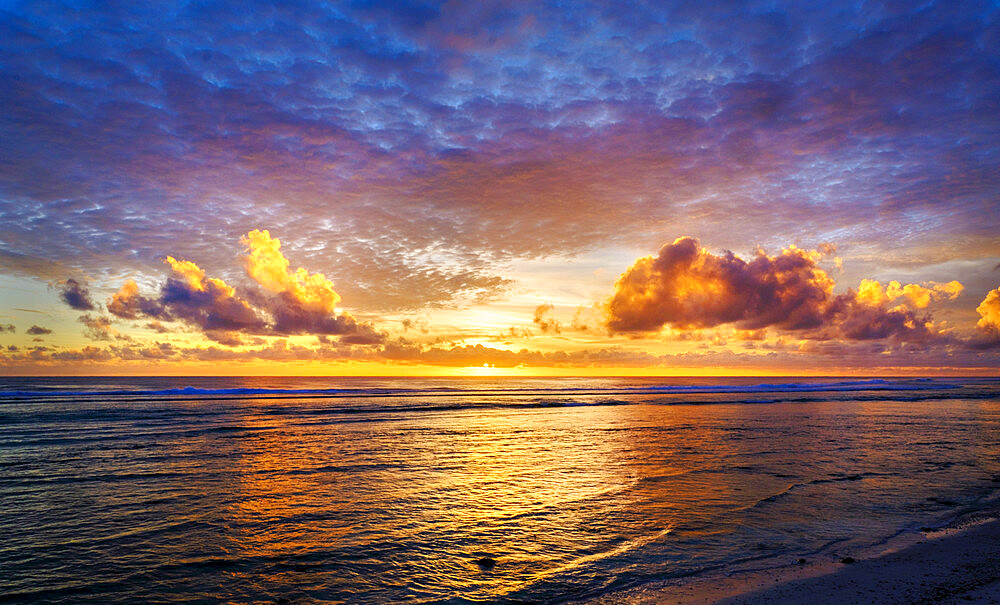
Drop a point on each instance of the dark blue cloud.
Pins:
(487, 131)
(76, 295)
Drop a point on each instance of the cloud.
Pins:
(76, 295)
(412, 152)
(420, 325)
(98, 328)
(545, 320)
(157, 327)
(15, 263)
(302, 302)
(191, 297)
(127, 303)
(848, 317)
(989, 315)
(268, 267)
(830, 356)
(589, 318)
(285, 303)
(485, 135)
(873, 293)
(38, 330)
(208, 302)
(827, 248)
(687, 287)
(88, 353)
(224, 337)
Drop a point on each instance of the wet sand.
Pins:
(960, 564)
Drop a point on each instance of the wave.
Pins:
(360, 411)
(877, 384)
(792, 487)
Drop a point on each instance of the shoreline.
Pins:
(956, 563)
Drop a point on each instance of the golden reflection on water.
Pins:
(420, 500)
(528, 488)
(427, 480)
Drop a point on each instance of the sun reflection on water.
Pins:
(442, 494)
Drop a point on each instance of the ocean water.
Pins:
(465, 490)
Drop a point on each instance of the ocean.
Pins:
(478, 490)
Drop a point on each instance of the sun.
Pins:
(486, 369)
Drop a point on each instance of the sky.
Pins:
(488, 188)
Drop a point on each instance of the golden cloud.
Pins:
(266, 264)
(687, 287)
(288, 302)
(545, 320)
(989, 313)
(873, 293)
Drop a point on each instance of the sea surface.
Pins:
(404, 490)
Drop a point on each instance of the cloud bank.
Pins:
(685, 286)
(283, 303)
(433, 142)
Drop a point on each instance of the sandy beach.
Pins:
(960, 564)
